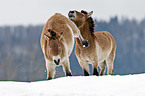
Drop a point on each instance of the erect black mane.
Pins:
(90, 21)
(52, 33)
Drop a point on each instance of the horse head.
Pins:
(80, 18)
(54, 44)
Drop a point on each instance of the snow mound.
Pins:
(127, 85)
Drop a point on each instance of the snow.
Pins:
(127, 85)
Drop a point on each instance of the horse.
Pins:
(101, 46)
(57, 42)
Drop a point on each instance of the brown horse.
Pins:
(100, 51)
(57, 42)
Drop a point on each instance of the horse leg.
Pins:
(109, 67)
(95, 68)
(102, 67)
(110, 61)
(66, 66)
(85, 67)
(50, 71)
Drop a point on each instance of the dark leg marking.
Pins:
(112, 72)
(68, 74)
(49, 78)
(86, 73)
(102, 73)
(95, 72)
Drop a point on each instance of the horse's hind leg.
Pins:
(102, 67)
(110, 61)
(66, 66)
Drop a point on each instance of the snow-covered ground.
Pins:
(127, 85)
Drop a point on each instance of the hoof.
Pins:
(68, 74)
(49, 78)
(96, 72)
(86, 73)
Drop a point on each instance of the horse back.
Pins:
(59, 23)
(105, 40)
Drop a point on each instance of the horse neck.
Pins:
(85, 31)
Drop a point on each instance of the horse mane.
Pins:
(90, 22)
(52, 33)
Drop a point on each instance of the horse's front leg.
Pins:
(50, 71)
(102, 66)
(85, 67)
(95, 67)
(66, 67)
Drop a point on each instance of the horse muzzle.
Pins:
(56, 59)
(71, 15)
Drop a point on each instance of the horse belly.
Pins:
(84, 56)
(103, 54)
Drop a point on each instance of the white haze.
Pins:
(25, 12)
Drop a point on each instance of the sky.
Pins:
(127, 85)
(26, 12)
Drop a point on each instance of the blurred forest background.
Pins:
(21, 57)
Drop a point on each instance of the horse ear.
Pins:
(46, 37)
(90, 13)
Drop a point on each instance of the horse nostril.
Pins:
(70, 15)
(57, 61)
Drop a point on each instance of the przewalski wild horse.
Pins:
(57, 42)
(101, 46)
